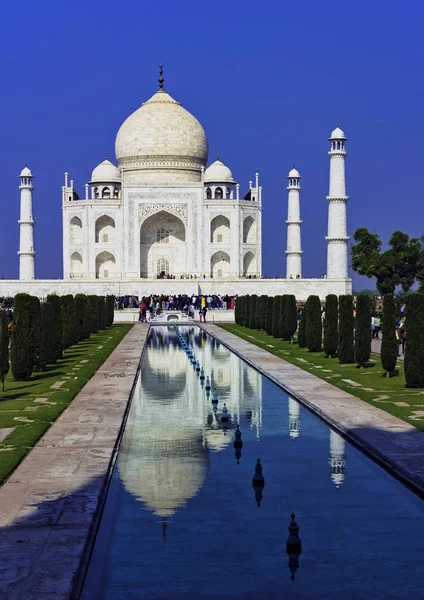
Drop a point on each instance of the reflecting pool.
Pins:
(182, 519)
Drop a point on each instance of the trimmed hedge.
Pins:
(68, 320)
(56, 342)
(363, 330)
(283, 307)
(331, 325)
(80, 301)
(269, 314)
(389, 345)
(37, 335)
(46, 355)
(290, 317)
(263, 303)
(110, 307)
(414, 350)
(313, 324)
(22, 346)
(236, 310)
(345, 350)
(246, 311)
(4, 347)
(276, 311)
(301, 336)
(253, 311)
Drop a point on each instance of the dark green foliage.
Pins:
(246, 311)
(276, 311)
(237, 308)
(103, 316)
(87, 322)
(345, 350)
(363, 330)
(46, 354)
(253, 311)
(57, 326)
(389, 347)
(301, 335)
(263, 303)
(79, 309)
(68, 320)
(290, 317)
(110, 304)
(4, 347)
(22, 348)
(313, 324)
(283, 304)
(331, 325)
(269, 315)
(414, 350)
(94, 311)
(38, 360)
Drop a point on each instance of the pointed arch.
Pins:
(249, 267)
(105, 230)
(105, 265)
(249, 230)
(220, 265)
(220, 230)
(75, 230)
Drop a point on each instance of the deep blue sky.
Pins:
(268, 81)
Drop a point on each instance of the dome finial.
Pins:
(161, 79)
(217, 156)
(106, 155)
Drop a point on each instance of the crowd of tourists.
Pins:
(151, 305)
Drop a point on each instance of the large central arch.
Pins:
(162, 237)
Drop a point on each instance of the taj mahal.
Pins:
(162, 221)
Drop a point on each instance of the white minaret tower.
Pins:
(26, 228)
(294, 418)
(294, 247)
(337, 458)
(337, 237)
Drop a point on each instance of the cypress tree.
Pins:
(263, 303)
(46, 354)
(276, 310)
(68, 320)
(246, 311)
(22, 347)
(56, 342)
(345, 350)
(103, 316)
(87, 321)
(79, 309)
(110, 303)
(236, 311)
(283, 308)
(301, 336)
(389, 346)
(269, 314)
(414, 350)
(38, 360)
(4, 347)
(290, 317)
(94, 305)
(331, 325)
(313, 324)
(253, 309)
(363, 330)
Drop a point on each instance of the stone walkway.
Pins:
(393, 443)
(49, 505)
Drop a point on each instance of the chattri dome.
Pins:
(162, 136)
(217, 172)
(294, 173)
(25, 172)
(105, 172)
(337, 134)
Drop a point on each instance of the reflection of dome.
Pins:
(337, 134)
(218, 439)
(217, 172)
(162, 135)
(105, 172)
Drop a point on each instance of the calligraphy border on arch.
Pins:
(178, 209)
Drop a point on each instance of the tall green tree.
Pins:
(36, 333)
(103, 316)
(246, 310)
(290, 317)
(4, 348)
(253, 311)
(389, 346)
(283, 307)
(110, 303)
(345, 350)
(263, 303)
(276, 310)
(269, 315)
(236, 310)
(22, 346)
(68, 320)
(363, 330)
(57, 347)
(313, 324)
(79, 309)
(331, 325)
(301, 335)
(399, 265)
(414, 350)
(45, 355)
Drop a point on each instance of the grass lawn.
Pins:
(30, 407)
(389, 394)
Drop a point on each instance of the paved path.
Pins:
(48, 506)
(397, 445)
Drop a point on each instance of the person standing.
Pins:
(377, 325)
(204, 311)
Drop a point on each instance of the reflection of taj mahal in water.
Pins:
(165, 451)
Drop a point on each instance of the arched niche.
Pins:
(220, 230)
(76, 263)
(105, 265)
(75, 230)
(105, 230)
(220, 265)
(162, 236)
(249, 230)
(249, 267)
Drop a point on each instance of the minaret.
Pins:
(337, 458)
(294, 418)
(294, 247)
(337, 237)
(26, 225)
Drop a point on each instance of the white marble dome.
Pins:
(161, 134)
(217, 172)
(105, 172)
(294, 173)
(337, 134)
(25, 172)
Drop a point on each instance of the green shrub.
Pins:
(79, 309)
(282, 329)
(301, 336)
(22, 346)
(4, 347)
(345, 349)
(313, 324)
(46, 354)
(68, 320)
(236, 310)
(56, 343)
(389, 346)
(38, 359)
(110, 304)
(290, 317)
(103, 316)
(269, 315)
(414, 349)
(331, 325)
(253, 311)
(246, 313)
(94, 311)
(263, 303)
(363, 330)
(276, 310)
